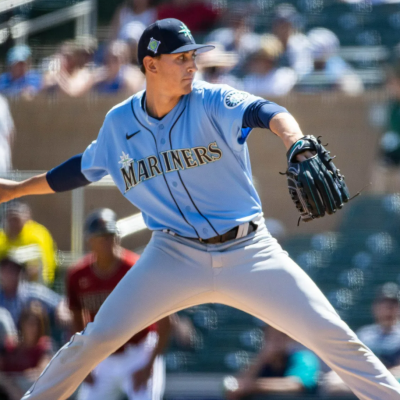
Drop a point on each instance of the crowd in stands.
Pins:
(271, 63)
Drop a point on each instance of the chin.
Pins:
(187, 87)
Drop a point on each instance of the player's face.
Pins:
(176, 72)
(102, 244)
(386, 312)
(9, 277)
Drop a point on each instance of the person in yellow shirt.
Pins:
(29, 242)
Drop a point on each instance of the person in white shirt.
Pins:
(6, 135)
(128, 15)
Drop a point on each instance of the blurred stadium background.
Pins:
(349, 255)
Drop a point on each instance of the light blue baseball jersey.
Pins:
(188, 172)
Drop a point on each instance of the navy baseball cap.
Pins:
(101, 222)
(168, 36)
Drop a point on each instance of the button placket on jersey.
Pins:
(179, 191)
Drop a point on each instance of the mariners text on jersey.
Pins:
(171, 160)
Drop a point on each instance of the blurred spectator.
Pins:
(237, 35)
(17, 294)
(264, 77)
(296, 47)
(29, 242)
(330, 71)
(117, 75)
(197, 15)
(136, 368)
(22, 362)
(215, 66)
(128, 15)
(20, 80)
(382, 337)
(6, 135)
(8, 331)
(281, 367)
(68, 71)
(386, 174)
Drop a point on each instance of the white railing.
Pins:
(84, 13)
(7, 5)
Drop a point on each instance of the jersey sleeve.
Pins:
(94, 159)
(226, 106)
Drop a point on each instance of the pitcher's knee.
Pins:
(89, 342)
(327, 332)
(104, 340)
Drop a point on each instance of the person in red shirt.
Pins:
(22, 362)
(135, 369)
(196, 14)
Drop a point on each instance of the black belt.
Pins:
(230, 235)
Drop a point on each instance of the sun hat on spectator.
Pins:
(20, 53)
(270, 48)
(390, 291)
(286, 12)
(324, 43)
(218, 58)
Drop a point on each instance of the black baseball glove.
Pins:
(315, 185)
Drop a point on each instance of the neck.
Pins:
(388, 326)
(106, 262)
(158, 102)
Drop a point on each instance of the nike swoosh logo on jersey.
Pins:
(130, 136)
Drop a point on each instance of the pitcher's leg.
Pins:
(167, 275)
(265, 282)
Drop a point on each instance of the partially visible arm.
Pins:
(268, 115)
(287, 128)
(10, 190)
(141, 376)
(77, 321)
(164, 333)
(67, 176)
(286, 384)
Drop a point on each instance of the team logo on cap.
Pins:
(185, 30)
(234, 98)
(153, 45)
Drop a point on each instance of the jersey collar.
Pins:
(150, 122)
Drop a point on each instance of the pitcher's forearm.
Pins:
(287, 128)
(35, 185)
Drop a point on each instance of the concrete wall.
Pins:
(50, 131)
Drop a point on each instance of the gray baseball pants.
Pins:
(252, 274)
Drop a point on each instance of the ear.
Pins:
(150, 65)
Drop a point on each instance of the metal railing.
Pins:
(84, 13)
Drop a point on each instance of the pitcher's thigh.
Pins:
(274, 288)
(152, 289)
